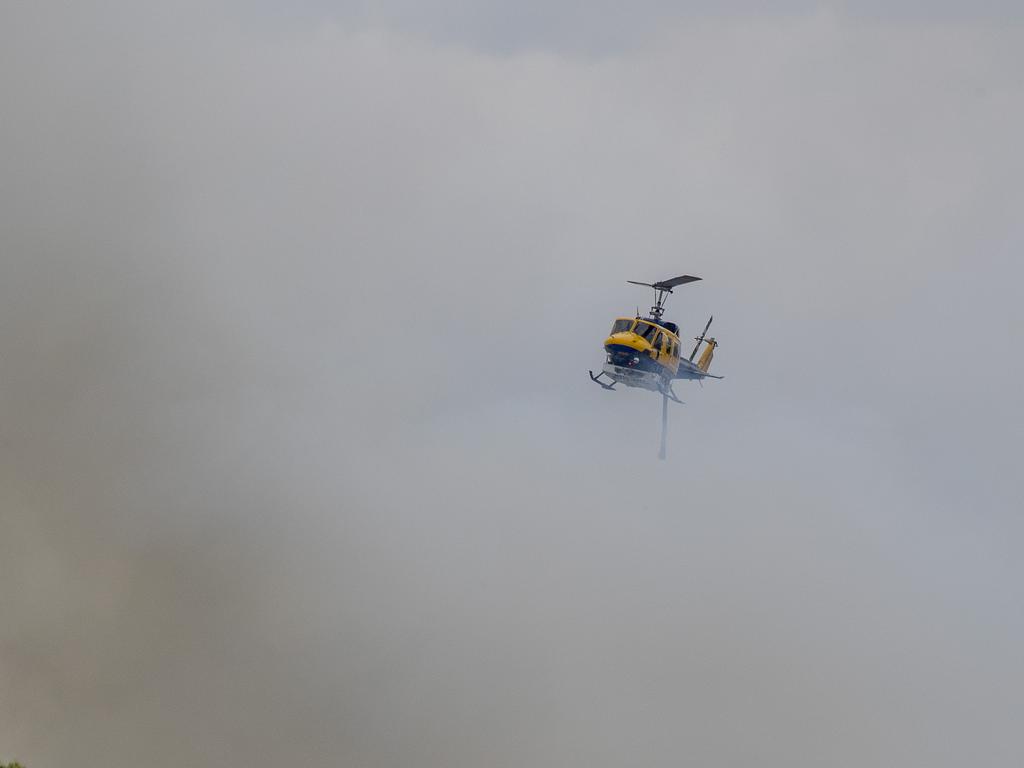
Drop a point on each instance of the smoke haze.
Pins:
(299, 460)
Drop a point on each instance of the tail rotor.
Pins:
(700, 339)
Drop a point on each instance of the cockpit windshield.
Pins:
(645, 330)
(622, 325)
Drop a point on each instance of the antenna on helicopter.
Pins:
(661, 290)
(700, 339)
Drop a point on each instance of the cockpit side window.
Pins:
(622, 325)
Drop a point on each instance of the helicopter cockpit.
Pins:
(644, 328)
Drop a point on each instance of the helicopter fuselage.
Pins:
(644, 352)
(642, 349)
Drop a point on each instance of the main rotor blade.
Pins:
(634, 282)
(672, 282)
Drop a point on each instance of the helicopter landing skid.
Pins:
(667, 392)
(597, 380)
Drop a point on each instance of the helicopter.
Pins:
(645, 352)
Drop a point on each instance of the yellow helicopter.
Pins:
(645, 352)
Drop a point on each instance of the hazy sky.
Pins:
(299, 461)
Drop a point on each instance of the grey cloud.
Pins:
(605, 28)
(300, 462)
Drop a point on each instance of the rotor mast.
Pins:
(658, 309)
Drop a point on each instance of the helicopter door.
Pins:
(664, 346)
(658, 347)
